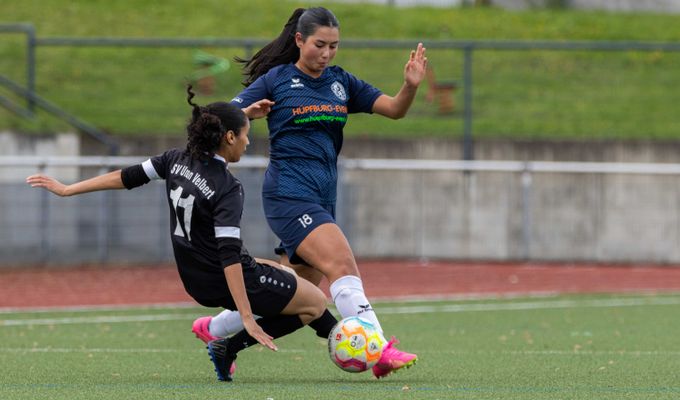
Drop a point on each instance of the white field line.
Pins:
(112, 350)
(411, 309)
(107, 307)
(533, 305)
(375, 301)
(630, 353)
(97, 319)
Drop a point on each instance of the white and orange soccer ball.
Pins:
(355, 344)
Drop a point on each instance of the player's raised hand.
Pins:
(49, 183)
(414, 70)
(259, 109)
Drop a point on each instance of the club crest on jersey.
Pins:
(296, 83)
(339, 90)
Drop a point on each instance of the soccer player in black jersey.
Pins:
(206, 203)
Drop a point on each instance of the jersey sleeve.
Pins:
(141, 174)
(157, 167)
(258, 90)
(227, 218)
(362, 95)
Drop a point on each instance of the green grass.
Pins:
(576, 347)
(517, 94)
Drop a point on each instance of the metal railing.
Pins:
(468, 47)
(44, 104)
(29, 31)
(524, 192)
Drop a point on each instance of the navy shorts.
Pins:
(292, 220)
(269, 291)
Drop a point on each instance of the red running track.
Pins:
(111, 285)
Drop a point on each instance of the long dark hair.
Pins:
(208, 125)
(283, 49)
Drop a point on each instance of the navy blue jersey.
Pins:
(206, 203)
(305, 127)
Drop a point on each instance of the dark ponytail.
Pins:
(208, 125)
(283, 49)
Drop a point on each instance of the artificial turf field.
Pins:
(573, 347)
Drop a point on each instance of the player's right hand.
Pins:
(255, 331)
(259, 109)
(49, 183)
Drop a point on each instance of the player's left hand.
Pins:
(414, 70)
(48, 183)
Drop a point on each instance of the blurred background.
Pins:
(545, 131)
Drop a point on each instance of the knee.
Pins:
(343, 265)
(310, 274)
(316, 307)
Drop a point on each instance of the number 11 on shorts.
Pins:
(305, 220)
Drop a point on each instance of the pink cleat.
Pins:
(393, 359)
(201, 328)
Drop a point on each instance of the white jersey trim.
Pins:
(228, 231)
(150, 170)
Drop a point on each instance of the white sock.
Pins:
(226, 323)
(350, 300)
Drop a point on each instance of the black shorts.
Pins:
(269, 291)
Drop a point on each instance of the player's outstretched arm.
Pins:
(111, 180)
(414, 73)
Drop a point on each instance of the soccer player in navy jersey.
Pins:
(310, 100)
(206, 203)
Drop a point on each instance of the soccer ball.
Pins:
(355, 344)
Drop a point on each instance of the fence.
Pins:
(468, 48)
(465, 210)
(413, 3)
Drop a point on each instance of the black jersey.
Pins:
(206, 203)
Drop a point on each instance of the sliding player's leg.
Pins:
(228, 322)
(286, 303)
